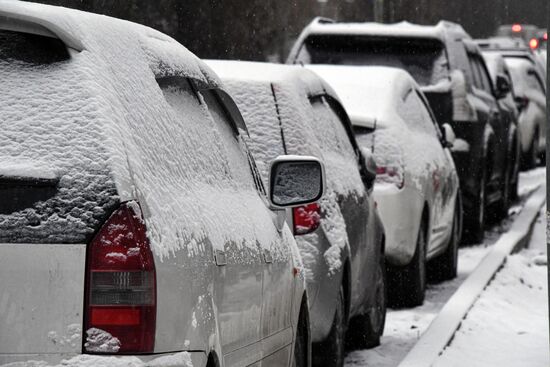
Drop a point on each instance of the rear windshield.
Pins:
(55, 186)
(424, 59)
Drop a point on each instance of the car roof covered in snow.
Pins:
(369, 93)
(78, 30)
(442, 31)
(250, 71)
(401, 29)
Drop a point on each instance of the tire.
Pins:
(444, 267)
(301, 348)
(332, 351)
(366, 330)
(407, 285)
(475, 226)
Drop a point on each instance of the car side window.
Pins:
(330, 132)
(475, 73)
(338, 152)
(239, 155)
(485, 80)
(414, 113)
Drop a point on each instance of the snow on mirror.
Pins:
(296, 181)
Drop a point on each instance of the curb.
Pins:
(442, 329)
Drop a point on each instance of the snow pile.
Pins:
(101, 120)
(306, 127)
(182, 359)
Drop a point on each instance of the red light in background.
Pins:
(517, 28)
(534, 44)
(545, 37)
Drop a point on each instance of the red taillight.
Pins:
(545, 36)
(517, 28)
(307, 219)
(121, 286)
(534, 44)
(391, 174)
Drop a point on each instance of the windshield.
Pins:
(424, 59)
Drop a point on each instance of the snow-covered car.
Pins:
(417, 187)
(502, 86)
(133, 222)
(452, 74)
(528, 75)
(290, 110)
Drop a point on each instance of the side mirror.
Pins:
(449, 136)
(370, 165)
(503, 86)
(295, 181)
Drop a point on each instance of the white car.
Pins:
(417, 187)
(134, 227)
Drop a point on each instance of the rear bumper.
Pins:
(400, 211)
(181, 359)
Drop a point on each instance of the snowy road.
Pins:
(404, 327)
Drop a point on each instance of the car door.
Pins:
(446, 179)
(482, 89)
(271, 251)
(434, 159)
(354, 203)
(238, 277)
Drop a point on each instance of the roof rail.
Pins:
(323, 20)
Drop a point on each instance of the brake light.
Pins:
(517, 28)
(121, 286)
(307, 219)
(391, 174)
(545, 36)
(534, 43)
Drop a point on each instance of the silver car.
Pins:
(133, 222)
(417, 187)
(341, 239)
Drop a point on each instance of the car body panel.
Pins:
(42, 300)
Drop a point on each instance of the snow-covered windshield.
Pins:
(424, 59)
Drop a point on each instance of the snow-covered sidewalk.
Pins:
(508, 325)
(405, 327)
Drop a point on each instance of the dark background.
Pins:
(265, 29)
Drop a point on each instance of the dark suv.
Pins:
(453, 75)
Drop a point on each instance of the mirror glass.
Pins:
(295, 183)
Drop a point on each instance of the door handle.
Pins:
(268, 258)
(220, 258)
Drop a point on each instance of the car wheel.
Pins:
(475, 229)
(407, 285)
(445, 266)
(366, 330)
(301, 355)
(331, 352)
